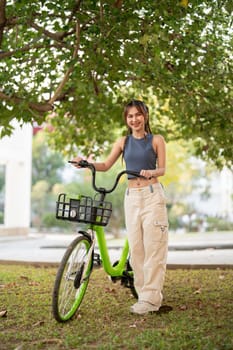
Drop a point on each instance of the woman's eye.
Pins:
(135, 115)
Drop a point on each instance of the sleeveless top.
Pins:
(139, 154)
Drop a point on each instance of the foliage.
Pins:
(201, 316)
(49, 221)
(218, 224)
(47, 167)
(47, 164)
(181, 171)
(179, 181)
(40, 202)
(74, 63)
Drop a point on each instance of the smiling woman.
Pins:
(145, 204)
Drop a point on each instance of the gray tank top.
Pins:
(139, 154)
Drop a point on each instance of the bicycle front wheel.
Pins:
(72, 278)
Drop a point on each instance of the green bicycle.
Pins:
(76, 265)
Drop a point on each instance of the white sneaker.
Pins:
(143, 307)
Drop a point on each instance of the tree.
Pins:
(74, 63)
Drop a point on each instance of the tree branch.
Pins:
(118, 4)
(4, 54)
(75, 9)
(2, 18)
(70, 70)
(55, 36)
(41, 108)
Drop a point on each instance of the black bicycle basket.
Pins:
(84, 209)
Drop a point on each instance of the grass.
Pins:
(202, 316)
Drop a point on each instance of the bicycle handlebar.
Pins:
(86, 164)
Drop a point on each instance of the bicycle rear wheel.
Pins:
(72, 278)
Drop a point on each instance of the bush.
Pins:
(219, 224)
(1, 217)
(49, 220)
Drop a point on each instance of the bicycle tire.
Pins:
(70, 283)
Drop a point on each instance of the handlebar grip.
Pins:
(83, 163)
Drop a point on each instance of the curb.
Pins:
(178, 247)
(40, 264)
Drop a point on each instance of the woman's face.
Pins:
(135, 119)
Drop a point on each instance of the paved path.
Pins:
(189, 250)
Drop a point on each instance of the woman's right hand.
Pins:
(77, 160)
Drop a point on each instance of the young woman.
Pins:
(145, 205)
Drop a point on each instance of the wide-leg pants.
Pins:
(147, 230)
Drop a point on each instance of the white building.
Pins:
(16, 156)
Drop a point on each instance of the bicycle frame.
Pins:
(116, 270)
(119, 267)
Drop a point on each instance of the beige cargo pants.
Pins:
(147, 230)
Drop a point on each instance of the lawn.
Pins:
(202, 316)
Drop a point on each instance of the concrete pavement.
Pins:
(200, 250)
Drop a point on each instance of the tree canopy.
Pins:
(74, 63)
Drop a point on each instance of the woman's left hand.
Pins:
(146, 173)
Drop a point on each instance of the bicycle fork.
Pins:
(81, 275)
(87, 259)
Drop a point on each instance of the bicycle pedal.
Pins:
(127, 276)
(126, 281)
(114, 279)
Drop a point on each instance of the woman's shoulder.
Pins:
(121, 142)
(158, 138)
(158, 142)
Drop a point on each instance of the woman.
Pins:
(145, 205)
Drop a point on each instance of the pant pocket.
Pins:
(161, 231)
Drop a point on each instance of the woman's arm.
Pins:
(160, 148)
(110, 160)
